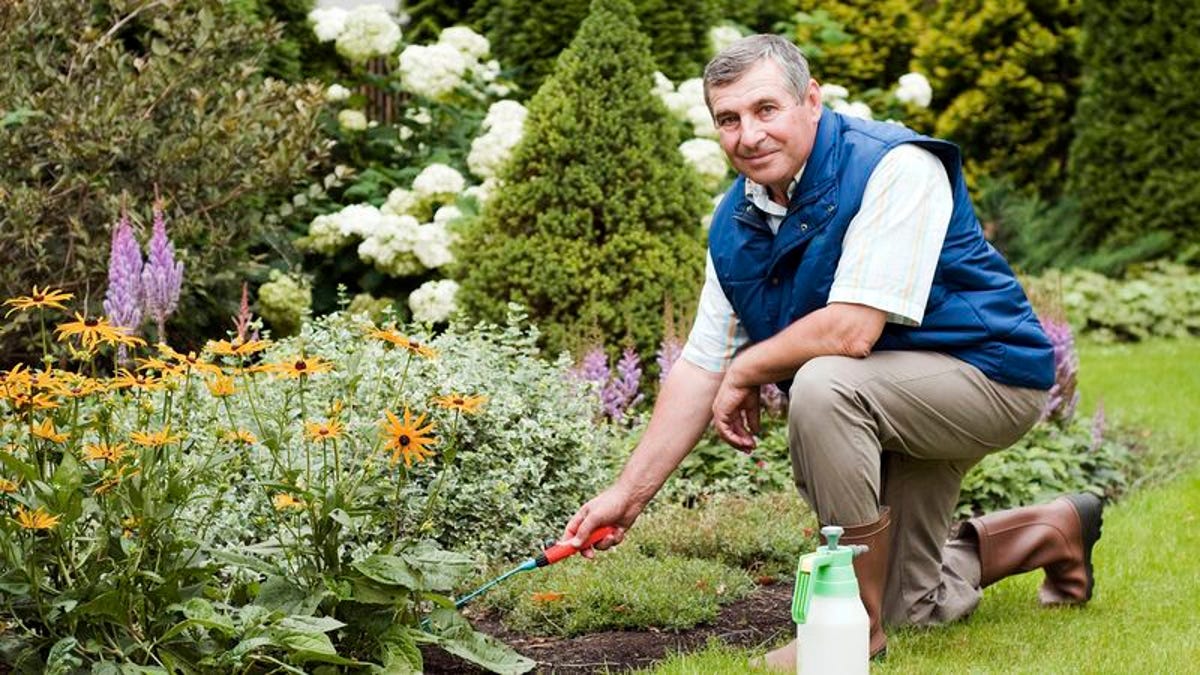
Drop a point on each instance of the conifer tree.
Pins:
(1135, 159)
(596, 221)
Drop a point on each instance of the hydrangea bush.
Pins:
(401, 184)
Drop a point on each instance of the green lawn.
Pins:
(1143, 616)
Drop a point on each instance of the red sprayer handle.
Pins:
(563, 550)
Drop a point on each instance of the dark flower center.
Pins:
(38, 297)
(91, 323)
(300, 365)
(404, 440)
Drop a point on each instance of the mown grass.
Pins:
(1142, 618)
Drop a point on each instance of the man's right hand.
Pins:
(615, 506)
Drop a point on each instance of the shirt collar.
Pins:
(759, 196)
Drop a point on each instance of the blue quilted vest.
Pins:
(976, 311)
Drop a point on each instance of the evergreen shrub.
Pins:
(1005, 78)
(597, 218)
(878, 44)
(530, 36)
(1135, 160)
(96, 103)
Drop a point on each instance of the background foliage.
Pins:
(598, 219)
(1135, 158)
(100, 100)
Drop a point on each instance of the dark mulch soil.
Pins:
(758, 619)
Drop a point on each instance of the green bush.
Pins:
(1135, 160)
(597, 219)
(1050, 460)
(876, 47)
(530, 36)
(760, 16)
(97, 103)
(620, 589)
(1154, 300)
(1005, 77)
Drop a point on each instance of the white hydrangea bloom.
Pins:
(359, 220)
(438, 180)
(325, 235)
(707, 158)
(720, 37)
(432, 246)
(390, 248)
(353, 120)
(369, 32)
(833, 92)
(915, 89)
(693, 91)
(434, 300)
(401, 202)
(328, 23)
(503, 128)
(336, 92)
(702, 122)
(420, 115)
(466, 41)
(432, 71)
(447, 214)
(855, 109)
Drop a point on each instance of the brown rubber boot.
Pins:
(871, 569)
(1057, 537)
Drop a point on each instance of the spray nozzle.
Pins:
(827, 572)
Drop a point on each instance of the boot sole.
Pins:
(1091, 517)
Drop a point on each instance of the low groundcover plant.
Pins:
(272, 506)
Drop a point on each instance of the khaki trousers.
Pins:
(901, 428)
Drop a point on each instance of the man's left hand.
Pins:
(736, 414)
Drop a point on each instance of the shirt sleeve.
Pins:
(891, 248)
(717, 334)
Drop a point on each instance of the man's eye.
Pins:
(727, 122)
(768, 110)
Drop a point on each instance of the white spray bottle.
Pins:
(832, 628)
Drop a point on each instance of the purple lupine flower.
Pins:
(1063, 397)
(123, 299)
(162, 277)
(668, 353)
(621, 392)
(1098, 427)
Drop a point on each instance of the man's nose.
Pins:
(752, 133)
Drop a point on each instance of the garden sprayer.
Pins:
(832, 627)
(552, 554)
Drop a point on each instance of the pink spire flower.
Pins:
(162, 277)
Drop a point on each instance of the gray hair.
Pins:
(737, 58)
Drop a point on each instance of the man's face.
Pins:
(766, 133)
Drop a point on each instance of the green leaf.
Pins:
(23, 470)
(106, 604)
(399, 654)
(61, 659)
(456, 636)
(311, 624)
(68, 476)
(250, 562)
(279, 594)
(371, 593)
(389, 570)
(440, 570)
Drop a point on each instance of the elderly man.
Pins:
(847, 262)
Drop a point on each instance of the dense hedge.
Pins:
(1135, 161)
(598, 218)
(1005, 78)
(530, 36)
(95, 104)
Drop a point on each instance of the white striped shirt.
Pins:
(889, 252)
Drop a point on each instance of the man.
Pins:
(847, 258)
